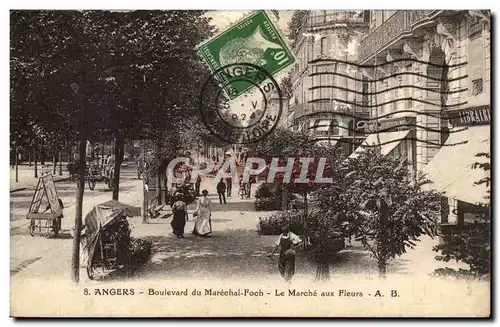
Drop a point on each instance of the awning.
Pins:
(388, 141)
(451, 168)
(331, 142)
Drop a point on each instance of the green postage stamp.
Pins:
(254, 40)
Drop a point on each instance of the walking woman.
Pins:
(203, 224)
(287, 242)
(243, 188)
(179, 209)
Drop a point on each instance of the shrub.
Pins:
(273, 224)
(469, 244)
(264, 191)
(139, 250)
(268, 197)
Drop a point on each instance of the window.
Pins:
(365, 91)
(396, 94)
(475, 27)
(323, 80)
(323, 46)
(409, 90)
(477, 86)
(334, 127)
(373, 20)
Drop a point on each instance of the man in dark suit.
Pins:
(221, 190)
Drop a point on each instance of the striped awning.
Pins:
(330, 142)
(451, 169)
(388, 141)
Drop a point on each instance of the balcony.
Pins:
(334, 19)
(398, 26)
(340, 17)
(302, 109)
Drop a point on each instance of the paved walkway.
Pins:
(235, 249)
(26, 176)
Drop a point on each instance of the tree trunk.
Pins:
(158, 173)
(165, 185)
(284, 198)
(119, 151)
(144, 200)
(35, 159)
(16, 162)
(322, 272)
(75, 258)
(382, 268)
(323, 266)
(70, 152)
(29, 157)
(42, 155)
(305, 221)
(60, 162)
(54, 161)
(382, 241)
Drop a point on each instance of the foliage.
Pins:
(264, 190)
(273, 225)
(269, 197)
(389, 211)
(137, 71)
(471, 243)
(140, 251)
(284, 144)
(295, 25)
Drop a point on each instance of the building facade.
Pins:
(441, 90)
(328, 94)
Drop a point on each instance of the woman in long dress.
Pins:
(202, 225)
(179, 208)
(287, 242)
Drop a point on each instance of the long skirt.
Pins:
(286, 266)
(178, 223)
(202, 225)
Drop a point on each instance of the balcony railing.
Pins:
(302, 109)
(393, 29)
(341, 17)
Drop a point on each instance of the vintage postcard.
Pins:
(264, 163)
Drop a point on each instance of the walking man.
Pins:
(221, 190)
(229, 186)
(197, 185)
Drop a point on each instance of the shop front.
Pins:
(458, 169)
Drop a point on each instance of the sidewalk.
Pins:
(234, 250)
(26, 176)
(40, 256)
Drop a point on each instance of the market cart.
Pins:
(106, 237)
(49, 220)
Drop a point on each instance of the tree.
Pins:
(324, 220)
(472, 243)
(389, 211)
(82, 75)
(295, 25)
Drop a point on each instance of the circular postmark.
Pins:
(240, 103)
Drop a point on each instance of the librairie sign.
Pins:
(471, 116)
